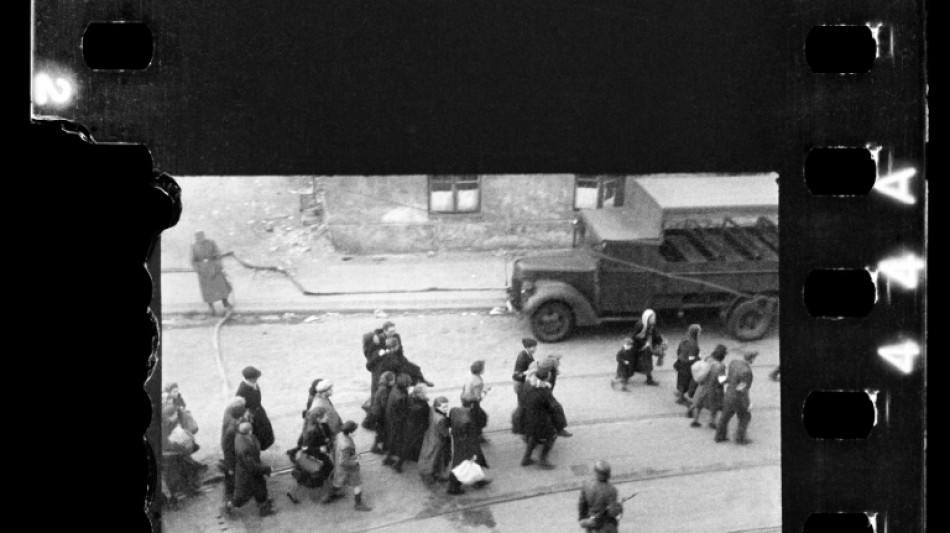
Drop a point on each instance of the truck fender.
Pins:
(546, 291)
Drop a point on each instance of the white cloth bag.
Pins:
(468, 472)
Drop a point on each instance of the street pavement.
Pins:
(415, 281)
(686, 482)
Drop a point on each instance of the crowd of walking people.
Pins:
(443, 438)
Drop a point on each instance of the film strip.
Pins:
(853, 207)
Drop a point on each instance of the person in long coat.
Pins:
(374, 343)
(736, 398)
(206, 261)
(397, 414)
(171, 397)
(233, 416)
(250, 390)
(686, 354)
(543, 419)
(551, 364)
(180, 474)
(417, 422)
(387, 380)
(598, 506)
(436, 454)
(626, 363)
(314, 442)
(465, 445)
(709, 392)
(311, 394)
(647, 343)
(250, 475)
(324, 391)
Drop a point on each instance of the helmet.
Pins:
(602, 469)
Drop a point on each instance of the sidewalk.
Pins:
(357, 284)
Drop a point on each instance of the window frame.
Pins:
(601, 180)
(454, 180)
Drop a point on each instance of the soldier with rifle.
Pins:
(598, 508)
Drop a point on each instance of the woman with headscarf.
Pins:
(647, 342)
(206, 261)
(171, 397)
(465, 445)
(436, 451)
(315, 443)
(397, 413)
(180, 474)
(550, 365)
(417, 421)
(686, 354)
(321, 398)
(233, 416)
(709, 394)
(387, 380)
(311, 394)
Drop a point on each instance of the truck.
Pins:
(679, 242)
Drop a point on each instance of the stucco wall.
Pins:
(389, 214)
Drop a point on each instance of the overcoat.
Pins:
(436, 451)
(543, 417)
(597, 497)
(378, 411)
(417, 422)
(709, 393)
(333, 418)
(314, 435)
(261, 425)
(626, 363)
(249, 481)
(205, 259)
(465, 437)
(643, 346)
(397, 413)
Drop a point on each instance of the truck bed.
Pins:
(729, 243)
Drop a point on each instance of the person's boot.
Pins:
(333, 494)
(651, 381)
(266, 508)
(359, 505)
(389, 460)
(398, 466)
(545, 450)
(527, 460)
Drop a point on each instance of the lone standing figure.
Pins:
(206, 261)
(736, 398)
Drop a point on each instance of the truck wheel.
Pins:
(552, 322)
(749, 321)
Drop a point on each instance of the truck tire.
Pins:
(552, 322)
(749, 321)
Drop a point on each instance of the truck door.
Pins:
(625, 289)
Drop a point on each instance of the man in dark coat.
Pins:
(250, 474)
(522, 363)
(542, 421)
(233, 416)
(598, 507)
(387, 380)
(397, 413)
(251, 392)
(465, 445)
(417, 422)
(206, 261)
(373, 343)
(736, 398)
(396, 358)
(686, 354)
(436, 453)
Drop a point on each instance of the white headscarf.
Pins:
(645, 322)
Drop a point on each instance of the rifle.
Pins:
(596, 521)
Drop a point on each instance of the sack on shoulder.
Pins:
(181, 438)
(700, 371)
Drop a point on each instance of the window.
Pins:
(594, 192)
(454, 194)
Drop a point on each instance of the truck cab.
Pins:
(686, 242)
